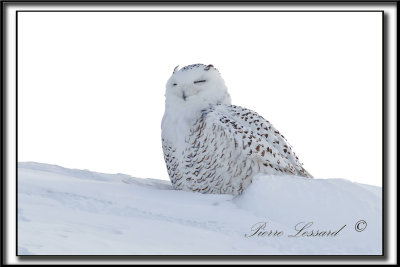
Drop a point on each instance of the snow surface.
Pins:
(71, 212)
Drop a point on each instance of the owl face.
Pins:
(196, 85)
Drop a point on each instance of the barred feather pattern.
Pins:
(225, 147)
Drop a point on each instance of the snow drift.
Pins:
(71, 212)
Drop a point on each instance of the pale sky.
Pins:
(91, 85)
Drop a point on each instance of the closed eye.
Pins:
(199, 81)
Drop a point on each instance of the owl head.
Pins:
(196, 86)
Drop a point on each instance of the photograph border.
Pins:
(211, 257)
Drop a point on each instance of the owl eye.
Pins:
(174, 84)
(199, 81)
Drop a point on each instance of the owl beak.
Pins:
(183, 96)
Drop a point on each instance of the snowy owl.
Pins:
(211, 146)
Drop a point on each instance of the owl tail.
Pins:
(306, 173)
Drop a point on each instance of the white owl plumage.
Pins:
(211, 146)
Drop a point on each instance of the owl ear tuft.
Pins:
(175, 69)
(208, 67)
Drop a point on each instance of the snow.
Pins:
(72, 212)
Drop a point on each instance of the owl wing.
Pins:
(253, 136)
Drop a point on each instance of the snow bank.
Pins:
(70, 212)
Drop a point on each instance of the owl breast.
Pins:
(208, 161)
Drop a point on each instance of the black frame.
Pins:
(212, 257)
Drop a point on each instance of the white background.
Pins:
(91, 85)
